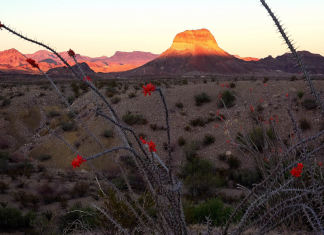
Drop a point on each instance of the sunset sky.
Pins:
(102, 27)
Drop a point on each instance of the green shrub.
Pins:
(80, 189)
(222, 156)
(187, 128)
(197, 122)
(44, 157)
(293, 78)
(108, 133)
(309, 104)
(67, 126)
(119, 183)
(75, 87)
(208, 139)
(247, 177)
(184, 81)
(190, 150)
(42, 94)
(131, 119)
(232, 85)
(202, 98)
(304, 124)
(181, 141)
(131, 95)
(199, 177)
(300, 95)
(70, 99)
(265, 79)
(115, 100)
(179, 105)
(233, 162)
(228, 98)
(13, 219)
(53, 113)
(212, 208)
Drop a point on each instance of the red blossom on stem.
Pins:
(228, 141)
(143, 141)
(251, 107)
(87, 78)
(287, 95)
(220, 95)
(32, 63)
(222, 85)
(77, 161)
(1, 25)
(265, 84)
(148, 88)
(296, 171)
(320, 164)
(266, 159)
(71, 53)
(152, 146)
(227, 84)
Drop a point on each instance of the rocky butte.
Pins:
(193, 51)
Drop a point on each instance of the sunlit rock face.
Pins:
(196, 42)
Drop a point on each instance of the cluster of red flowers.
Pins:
(296, 171)
(148, 88)
(77, 161)
(32, 63)
(150, 144)
(1, 25)
(87, 78)
(71, 53)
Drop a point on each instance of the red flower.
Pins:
(220, 95)
(250, 89)
(143, 141)
(266, 159)
(228, 141)
(265, 84)
(287, 95)
(152, 146)
(71, 53)
(32, 63)
(252, 110)
(222, 85)
(261, 100)
(320, 164)
(77, 161)
(1, 25)
(148, 89)
(89, 79)
(216, 126)
(227, 84)
(296, 171)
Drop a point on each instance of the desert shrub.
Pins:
(293, 78)
(300, 94)
(48, 192)
(228, 99)
(44, 157)
(13, 219)
(184, 81)
(115, 100)
(112, 83)
(128, 161)
(222, 156)
(153, 127)
(70, 99)
(108, 133)
(53, 113)
(131, 95)
(111, 90)
(233, 162)
(181, 141)
(304, 124)
(197, 122)
(199, 177)
(259, 108)
(3, 187)
(78, 213)
(187, 128)
(75, 88)
(246, 177)
(42, 94)
(172, 146)
(136, 181)
(119, 183)
(4, 157)
(26, 200)
(309, 104)
(190, 150)
(212, 208)
(84, 87)
(179, 105)
(80, 189)
(232, 85)
(5, 102)
(205, 80)
(265, 79)
(256, 138)
(132, 119)
(202, 98)
(208, 139)
(67, 126)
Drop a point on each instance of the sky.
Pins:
(102, 27)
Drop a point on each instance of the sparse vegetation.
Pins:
(132, 119)
(304, 124)
(202, 98)
(309, 104)
(228, 99)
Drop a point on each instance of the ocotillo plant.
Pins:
(291, 191)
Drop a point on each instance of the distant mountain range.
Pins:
(13, 61)
(193, 52)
